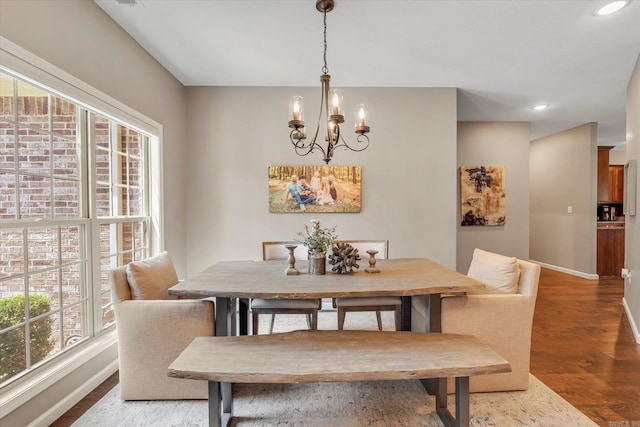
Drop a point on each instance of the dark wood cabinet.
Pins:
(616, 183)
(610, 250)
(603, 174)
(610, 178)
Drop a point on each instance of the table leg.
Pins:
(405, 323)
(243, 321)
(225, 326)
(224, 317)
(433, 310)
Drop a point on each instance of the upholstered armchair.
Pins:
(154, 328)
(501, 318)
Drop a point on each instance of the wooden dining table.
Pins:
(232, 281)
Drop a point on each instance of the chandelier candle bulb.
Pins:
(362, 126)
(335, 111)
(296, 112)
(336, 102)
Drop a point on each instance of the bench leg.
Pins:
(215, 420)
(462, 402)
(220, 409)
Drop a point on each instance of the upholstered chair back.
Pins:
(529, 278)
(146, 279)
(382, 246)
(278, 250)
(120, 290)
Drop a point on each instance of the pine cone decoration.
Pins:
(344, 258)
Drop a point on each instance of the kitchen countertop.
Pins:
(610, 224)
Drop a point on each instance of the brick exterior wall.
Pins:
(40, 155)
(48, 164)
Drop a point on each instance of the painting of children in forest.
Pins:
(315, 189)
(482, 195)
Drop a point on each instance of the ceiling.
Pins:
(504, 55)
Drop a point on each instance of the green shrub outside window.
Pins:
(12, 344)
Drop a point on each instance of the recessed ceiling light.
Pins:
(611, 7)
(540, 107)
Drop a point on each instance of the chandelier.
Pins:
(331, 107)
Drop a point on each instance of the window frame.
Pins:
(27, 67)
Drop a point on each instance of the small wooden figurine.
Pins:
(344, 258)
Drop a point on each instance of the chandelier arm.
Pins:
(300, 146)
(360, 139)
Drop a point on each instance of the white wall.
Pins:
(79, 38)
(632, 230)
(564, 173)
(493, 143)
(617, 157)
(409, 171)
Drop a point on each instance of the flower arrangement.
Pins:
(317, 240)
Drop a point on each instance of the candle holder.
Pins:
(291, 270)
(372, 262)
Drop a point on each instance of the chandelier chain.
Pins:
(325, 70)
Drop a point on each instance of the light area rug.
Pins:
(370, 403)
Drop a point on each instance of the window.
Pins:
(73, 182)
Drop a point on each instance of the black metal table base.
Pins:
(221, 403)
(221, 394)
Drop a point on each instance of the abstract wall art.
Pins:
(482, 195)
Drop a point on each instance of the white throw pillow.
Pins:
(498, 272)
(151, 277)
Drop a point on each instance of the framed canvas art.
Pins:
(296, 189)
(482, 195)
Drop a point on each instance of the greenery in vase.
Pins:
(317, 240)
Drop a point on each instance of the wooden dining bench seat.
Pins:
(335, 356)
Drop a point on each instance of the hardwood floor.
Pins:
(582, 347)
(89, 400)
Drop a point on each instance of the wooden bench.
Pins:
(334, 356)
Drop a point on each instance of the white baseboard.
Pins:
(48, 393)
(588, 276)
(68, 401)
(632, 322)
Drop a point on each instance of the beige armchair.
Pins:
(503, 321)
(154, 328)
